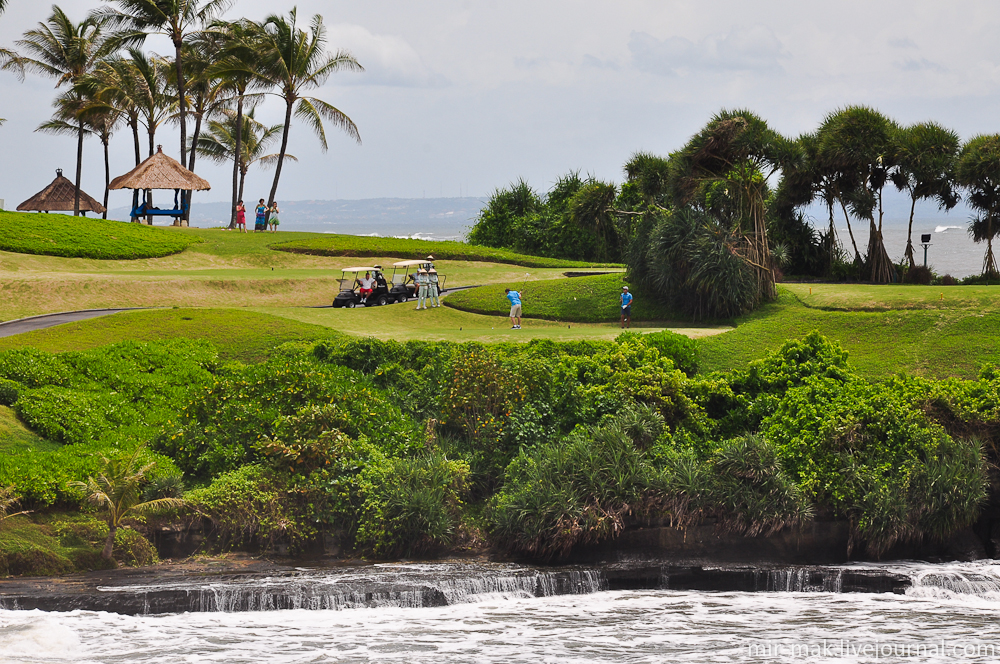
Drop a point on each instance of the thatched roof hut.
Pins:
(160, 172)
(60, 197)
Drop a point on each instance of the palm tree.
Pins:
(66, 51)
(296, 61)
(238, 69)
(926, 169)
(118, 491)
(99, 119)
(7, 501)
(175, 19)
(219, 142)
(978, 170)
(857, 148)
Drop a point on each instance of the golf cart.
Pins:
(350, 297)
(404, 275)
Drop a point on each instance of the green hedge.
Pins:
(364, 246)
(86, 237)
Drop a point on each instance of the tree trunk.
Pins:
(134, 123)
(882, 271)
(79, 168)
(989, 262)
(107, 177)
(149, 192)
(109, 543)
(182, 105)
(243, 177)
(194, 151)
(909, 234)
(847, 218)
(281, 156)
(237, 185)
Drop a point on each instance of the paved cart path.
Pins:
(22, 325)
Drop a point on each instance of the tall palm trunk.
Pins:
(79, 168)
(281, 155)
(847, 218)
(134, 124)
(243, 179)
(881, 269)
(191, 157)
(151, 132)
(237, 181)
(182, 104)
(989, 262)
(909, 234)
(107, 176)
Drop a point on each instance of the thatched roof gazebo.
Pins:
(60, 196)
(160, 172)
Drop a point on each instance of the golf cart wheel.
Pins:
(382, 300)
(401, 299)
(350, 304)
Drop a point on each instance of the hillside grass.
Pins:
(577, 300)
(246, 336)
(86, 237)
(358, 246)
(917, 336)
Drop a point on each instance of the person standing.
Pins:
(626, 302)
(423, 282)
(432, 287)
(274, 216)
(241, 217)
(259, 222)
(515, 308)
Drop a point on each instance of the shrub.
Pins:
(73, 417)
(918, 274)
(34, 368)
(252, 506)
(682, 350)
(9, 392)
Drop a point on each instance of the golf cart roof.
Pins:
(360, 269)
(409, 263)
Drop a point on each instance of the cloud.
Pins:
(387, 59)
(902, 42)
(754, 48)
(923, 64)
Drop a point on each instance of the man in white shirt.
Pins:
(367, 286)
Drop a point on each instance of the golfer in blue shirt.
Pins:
(626, 308)
(515, 308)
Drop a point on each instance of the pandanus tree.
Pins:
(219, 141)
(925, 169)
(66, 51)
(295, 61)
(724, 170)
(857, 150)
(978, 170)
(117, 492)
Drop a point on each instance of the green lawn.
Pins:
(353, 245)
(238, 334)
(579, 299)
(83, 237)
(954, 339)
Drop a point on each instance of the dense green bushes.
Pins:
(61, 235)
(384, 446)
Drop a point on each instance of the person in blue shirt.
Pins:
(515, 308)
(626, 308)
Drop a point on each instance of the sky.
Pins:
(460, 97)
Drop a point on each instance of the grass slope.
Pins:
(954, 339)
(353, 245)
(579, 300)
(239, 335)
(78, 237)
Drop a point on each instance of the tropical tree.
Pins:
(592, 209)
(117, 491)
(925, 168)
(978, 170)
(295, 61)
(99, 119)
(857, 151)
(724, 170)
(237, 69)
(175, 19)
(66, 51)
(219, 141)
